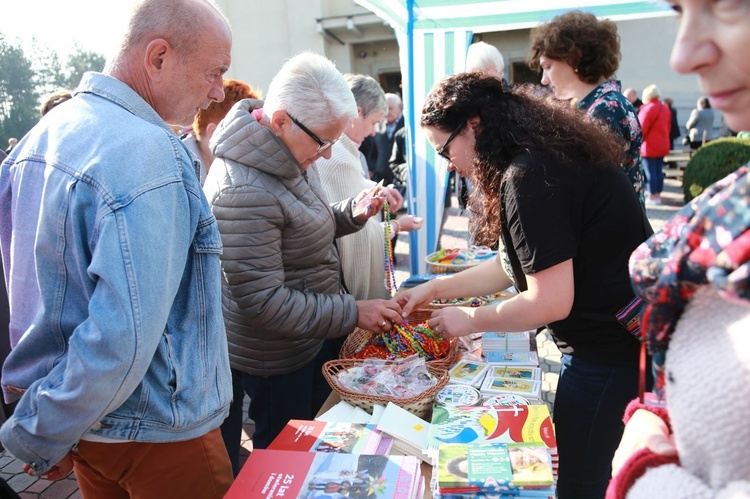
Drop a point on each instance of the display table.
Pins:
(334, 399)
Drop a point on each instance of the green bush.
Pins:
(712, 162)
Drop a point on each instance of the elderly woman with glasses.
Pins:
(283, 300)
(549, 186)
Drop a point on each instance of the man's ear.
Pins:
(473, 122)
(156, 59)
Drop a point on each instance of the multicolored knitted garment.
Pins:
(707, 242)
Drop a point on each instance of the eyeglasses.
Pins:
(322, 144)
(442, 152)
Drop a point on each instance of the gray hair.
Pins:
(393, 99)
(483, 57)
(367, 93)
(180, 22)
(650, 93)
(309, 87)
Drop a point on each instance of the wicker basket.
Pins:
(357, 338)
(419, 405)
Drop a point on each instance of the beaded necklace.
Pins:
(390, 273)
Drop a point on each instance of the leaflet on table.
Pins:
(279, 473)
(321, 436)
(408, 431)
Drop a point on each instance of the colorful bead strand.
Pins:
(390, 273)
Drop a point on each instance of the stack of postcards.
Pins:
(512, 349)
(524, 381)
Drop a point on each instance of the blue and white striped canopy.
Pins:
(433, 37)
(481, 16)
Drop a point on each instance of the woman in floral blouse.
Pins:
(578, 56)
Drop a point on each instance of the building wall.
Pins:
(267, 33)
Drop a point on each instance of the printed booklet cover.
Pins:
(279, 473)
(492, 467)
(502, 424)
(468, 372)
(321, 436)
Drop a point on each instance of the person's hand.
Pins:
(644, 429)
(394, 198)
(409, 223)
(378, 316)
(369, 202)
(416, 297)
(56, 472)
(452, 321)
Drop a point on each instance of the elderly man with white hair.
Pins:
(485, 58)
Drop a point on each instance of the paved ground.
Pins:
(455, 234)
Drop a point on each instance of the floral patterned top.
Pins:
(707, 242)
(607, 103)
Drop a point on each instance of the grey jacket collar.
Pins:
(239, 137)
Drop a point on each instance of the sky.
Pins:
(94, 24)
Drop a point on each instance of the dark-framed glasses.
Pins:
(442, 151)
(322, 144)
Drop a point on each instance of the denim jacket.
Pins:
(111, 256)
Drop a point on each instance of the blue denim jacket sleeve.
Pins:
(140, 247)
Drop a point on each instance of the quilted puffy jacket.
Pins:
(281, 269)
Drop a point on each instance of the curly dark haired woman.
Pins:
(578, 56)
(549, 186)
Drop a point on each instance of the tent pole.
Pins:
(414, 241)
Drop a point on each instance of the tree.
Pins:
(79, 62)
(48, 72)
(25, 82)
(18, 98)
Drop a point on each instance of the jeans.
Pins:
(274, 400)
(589, 406)
(655, 174)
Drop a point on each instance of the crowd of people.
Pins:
(151, 288)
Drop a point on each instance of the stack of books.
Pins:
(281, 473)
(511, 349)
(525, 381)
(515, 342)
(501, 470)
(492, 424)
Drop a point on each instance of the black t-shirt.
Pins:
(552, 213)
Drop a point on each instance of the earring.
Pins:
(576, 70)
